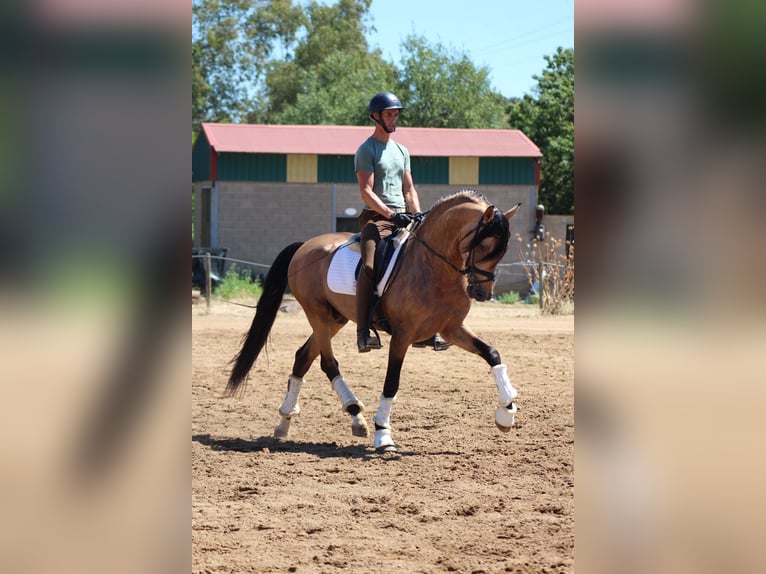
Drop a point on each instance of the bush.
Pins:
(509, 297)
(550, 268)
(238, 284)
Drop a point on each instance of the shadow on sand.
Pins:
(320, 449)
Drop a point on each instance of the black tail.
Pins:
(273, 288)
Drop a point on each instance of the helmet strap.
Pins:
(380, 123)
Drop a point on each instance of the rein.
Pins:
(470, 269)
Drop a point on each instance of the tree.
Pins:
(444, 90)
(547, 118)
(337, 91)
(232, 40)
(330, 67)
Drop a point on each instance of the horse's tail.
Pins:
(273, 288)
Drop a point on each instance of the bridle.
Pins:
(481, 231)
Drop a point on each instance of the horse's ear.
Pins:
(489, 214)
(512, 211)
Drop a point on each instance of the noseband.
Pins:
(480, 232)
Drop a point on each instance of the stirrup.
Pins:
(436, 342)
(366, 342)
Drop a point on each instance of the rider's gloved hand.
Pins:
(401, 219)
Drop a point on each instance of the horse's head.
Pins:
(487, 244)
(472, 237)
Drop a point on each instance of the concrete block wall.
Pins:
(257, 220)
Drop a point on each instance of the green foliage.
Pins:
(441, 89)
(547, 118)
(232, 40)
(337, 91)
(308, 62)
(332, 74)
(509, 297)
(292, 62)
(237, 285)
(339, 27)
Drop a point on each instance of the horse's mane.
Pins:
(498, 227)
(458, 197)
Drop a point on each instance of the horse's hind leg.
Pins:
(349, 401)
(324, 331)
(290, 405)
(319, 343)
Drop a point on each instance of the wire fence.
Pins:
(502, 266)
(205, 277)
(220, 257)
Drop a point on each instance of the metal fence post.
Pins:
(208, 282)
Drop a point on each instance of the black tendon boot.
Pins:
(364, 341)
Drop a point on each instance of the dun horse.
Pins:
(450, 259)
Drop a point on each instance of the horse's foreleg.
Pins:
(382, 419)
(465, 338)
(505, 413)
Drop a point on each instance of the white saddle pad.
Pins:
(341, 273)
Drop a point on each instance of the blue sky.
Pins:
(509, 37)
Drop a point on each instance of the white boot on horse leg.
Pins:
(290, 406)
(383, 441)
(349, 401)
(505, 413)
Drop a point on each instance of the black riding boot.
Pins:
(364, 341)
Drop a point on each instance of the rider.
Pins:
(382, 169)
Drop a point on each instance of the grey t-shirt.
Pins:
(388, 161)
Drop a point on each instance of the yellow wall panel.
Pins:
(301, 168)
(464, 171)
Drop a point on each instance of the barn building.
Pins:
(259, 188)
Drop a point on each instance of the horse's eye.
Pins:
(486, 247)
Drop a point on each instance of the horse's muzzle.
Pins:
(479, 293)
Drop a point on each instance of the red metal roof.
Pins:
(343, 140)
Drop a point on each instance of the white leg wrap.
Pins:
(347, 397)
(505, 391)
(505, 413)
(383, 440)
(290, 406)
(382, 417)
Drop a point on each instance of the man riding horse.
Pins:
(382, 168)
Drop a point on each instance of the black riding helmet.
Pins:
(383, 101)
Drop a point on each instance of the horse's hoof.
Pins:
(384, 449)
(283, 428)
(359, 426)
(501, 428)
(505, 417)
